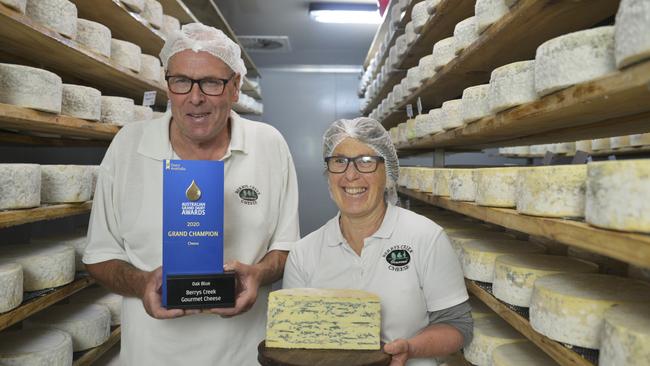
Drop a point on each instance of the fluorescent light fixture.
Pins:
(349, 13)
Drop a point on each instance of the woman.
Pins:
(376, 246)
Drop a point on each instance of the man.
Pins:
(204, 71)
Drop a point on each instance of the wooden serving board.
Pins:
(320, 357)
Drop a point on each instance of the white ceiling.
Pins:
(311, 43)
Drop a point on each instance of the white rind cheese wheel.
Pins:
(126, 54)
(626, 336)
(337, 319)
(584, 145)
(65, 183)
(619, 142)
(77, 241)
(490, 333)
(496, 187)
(44, 266)
(512, 85)
(443, 52)
(574, 58)
(413, 79)
(30, 87)
(489, 12)
(568, 148)
(552, 191)
(614, 189)
(117, 110)
(451, 117)
(37, 347)
(58, 15)
(410, 129)
(401, 46)
(514, 275)
(641, 139)
(153, 13)
(435, 116)
(422, 125)
(462, 186)
(440, 182)
(81, 102)
(479, 309)
(11, 286)
(87, 324)
(569, 307)
(419, 15)
(135, 5)
(101, 296)
(20, 186)
(465, 33)
(475, 103)
(459, 237)
(170, 25)
(632, 32)
(95, 36)
(411, 35)
(427, 67)
(600, 144)
(479, 255)
(142, 113)
(520, 354)
(15, 4)
(150, 67)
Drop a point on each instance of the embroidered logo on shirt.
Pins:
(248, 194)
(398, 257)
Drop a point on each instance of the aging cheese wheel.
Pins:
(81, 102)
(427, 67)
(153, 13)
(462, 186)
(410, 129)
(600, 144)
(642, 139)
(512, 85)
(401, 46)
(552, 191)
(150, 67)
(58, 15)
(496, 187)
(584, 145)
(101, 296)
(520, 354)
(11, 286)
(626, 336)
(451, 117)
(15, 4)
(422, 125)
(479, 255)
(44, 266)
(490, 333)
(435, 116)
(465, 33)
(76, 241)
(411, 35)
(489, 12)
(420, 15)
(632, 32)
(126, 54)
(473, 232)
(30, 87)
(440, 182)
(20, 186)
(414, 81)
(170, 25)
(65, 183)
(117, 110)
(568, 148)
(475, 103)
(142, 113)
(39, 347)
(94, 36)
(443, 52)
(619, 142)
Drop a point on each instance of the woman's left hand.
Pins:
(399, 349)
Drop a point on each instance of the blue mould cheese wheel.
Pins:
(470, 233)
(117, 110)
(632, 32)
(440, 182)
(58, 15)
(76, 241)
(552, 191)
(150, 67)
(496, 187)
(65, 183)
(11, 286)
(427, 67)
(515, 274)
(490, 333)
(20, 186)
(410, 178)
(489, 12)
(142, 113)
(574, 58)
(479, 255)
(475, 103)
(479, 309)
(614, 189)
(170, 25)
(39, 347)
(402, 133)
(443, 52)
(424, 176)
(642, 139)
(15, 4)
(451, 117)
(81, 102)
(519, 354)
(30, 87)
(87, 324)
(512, 85)
(570, 307)
(465, 33)
(153, 13)
(101, 296)
(44, 266)
(619, 142)
(461, 185)
(135, 5)
(626, 336)
(94, 36)
(126, 54)
(422, 122)
(600, 144)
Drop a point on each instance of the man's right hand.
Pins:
(152, 299)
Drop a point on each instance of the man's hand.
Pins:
(399, 349)
(247, 285)
(152, 298)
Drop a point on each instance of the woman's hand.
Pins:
(400, 350)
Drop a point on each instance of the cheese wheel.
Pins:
(414, 80)
(142, 113)
(150, 67)
(584, 145)
(568, 148)
(574, 58)
(496, 187)
(459, 237)
(435, 118)
(401, 46)
(451, 117)
(81, 102)
(521, 353)
(537, 150)
(422, 122)
(94, 36)
(402, 133)
(135, 5)
(58, 15)
(20, 186)
(479, 309)
(461, 185)
(170, 25)
(76, 241)
(30, 87)
(101, 296)
(479, 255)
(419, 15)
(475, 103)
(427, 67)
(15, 4)
(11, 286)
(521, 150)
(489, 12)
(514, 275)
(642, 139)
(153, 13)
(87, 324)
(117, 110)
(465, 33)
(443, 52)
(606, 265)
(440, 182)
(490, 333)
(626, 336)
(65, 183)
(411, 35)
(614, 189)
(632, 36)
(39, 347)
(126, 54)
(552, 191)
(512, 85)
(432, 5)
(619, 142)
(44, 266)
(410, 129)
(600, 144)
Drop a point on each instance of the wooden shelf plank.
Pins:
(94, 354)
(178, 10)
(11, 138)
(33, 306)
(23, 37)
(18, 217)
(562, 355)
(627, 247)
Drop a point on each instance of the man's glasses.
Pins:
(209, 86)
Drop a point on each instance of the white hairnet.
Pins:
(199, 37)
(373, 134)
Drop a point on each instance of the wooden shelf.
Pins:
(96, 353)
(33, 306)
(23, 38)
(561, 354)
(18, 217)
(178, 10)
(627, 247)
(514, 38)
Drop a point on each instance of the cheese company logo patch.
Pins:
(398, 257)
(248, 194)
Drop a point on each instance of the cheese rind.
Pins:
(443, 52)
(471, 232)
(440, 182)
(419, 15)
(15, 4)
(512, 85)
(117, 110)
(496, 187)
(488, 12)
(44, 266)
(150, 67)
(451, 117)
(65, 183)
(30, 87)
(619, 142)
(94, 36)
(77, 241)
(632, 36)
(479, 255)
(519, 354)
(126, 54)
(490, 333)
(626, 336)
(37, 347)
(11, 286)
(642, 139)
(58, 15)
(153, 13)
(101, 296)
(323, 319)
(600, 144)
(20, 186)
(475, 103)
(81, 102)
(552, 191)
(170, 25)
(465, 33)
(462, 186)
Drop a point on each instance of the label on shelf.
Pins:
(149, 98)
(409, 110)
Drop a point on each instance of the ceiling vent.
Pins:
(279, 44)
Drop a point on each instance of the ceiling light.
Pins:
(345, 13)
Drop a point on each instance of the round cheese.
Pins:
(150, 67)
(584, 145)
(39, 347)
(614, 189)
(490, 333)
(170, 25)
(101, 296)
(632, 32)
(574, 58)
(552, 191)
(419, 15)
(479, 255)
(76, 241)
(521, 150)
(20, 186)
(514, 275)
(470, 232)
(94, 36)
(117, 110)
(619, 142)
(410, 129)
(135, 5)
(435, 118)
(153, 13)
(600, 144)
(65, 183)
(519, 354)
(465, 33)
(479, 309)
(461, 185)
(451, 117)
(414, 80)
(87, 324)
(44, 266)
(569, 307)
(568, 148)
(142, 113)
(401, 46)
(422, 122)
(475, 103)
(30, 87)
(443, 52)
(496, 187)
(626, 336)
(11, 286)
(489, 12)
(411, 35)
(15, 4)
(512, 85)
(642, 139)
(58, 15)
(81, 102)
(427, 67)
(440, 182)
(126, 54)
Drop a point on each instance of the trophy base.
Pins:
(201, 291)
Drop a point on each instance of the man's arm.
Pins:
(434, 340)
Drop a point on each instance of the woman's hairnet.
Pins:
(373, 134)
(199, 37)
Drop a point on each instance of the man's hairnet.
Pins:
(373, 134)
(198, 37)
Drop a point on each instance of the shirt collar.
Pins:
(334, 236)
